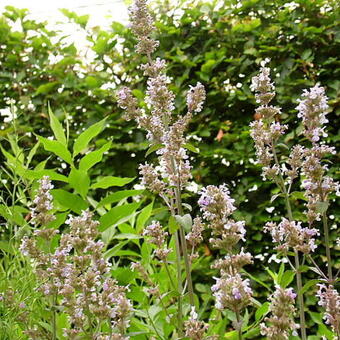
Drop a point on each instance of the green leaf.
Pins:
(153, 148)
(143, 217)
(37, 174)
(127, 237)
(56, 127)
(113, 251)
(262, 311)
(192, 148)
(274, 197)
(80, 181)
(69, 201)
(287, 278)
(111, 181)
(118, 214)
(185, 221)
(46, 88)
(118, 196)
(321, 207)
(57, 148)
(94, 157)
(6, 247)
(298, 195)
(86, 136)
(309, 284)
(32, 153)
(173, 225)
(92, 82)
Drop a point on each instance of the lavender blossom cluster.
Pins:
(231, 291)
(160, 123)
(76, 275)
(305, 162)
(281, 322)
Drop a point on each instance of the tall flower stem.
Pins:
(182, 238)
(179, 285)
(297, 262)
(185, 250)
(300, 297)
(54, 319)
(239, 325)
(328, 251)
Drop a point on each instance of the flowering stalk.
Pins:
(163, 128)
(231, 291)
(312, 110)
(266, 132)
(281, 322)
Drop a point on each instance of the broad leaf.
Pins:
(143, 217)
(117, 214)
(86, 136)
(94, 157)
(118, 196)
(57, 148)
(69, 201)
(153, 148)
(56, 127)
(80, 181)
(111, 181)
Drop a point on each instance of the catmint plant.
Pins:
(74, 276)
(289, 235)
(281, 321)
(231, 291)
(166, 132)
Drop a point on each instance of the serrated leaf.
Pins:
(57, 148)
(86, 136)
(94, 157)
(56, 127)
(111, 181)
(153, 148)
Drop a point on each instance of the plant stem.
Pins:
(239, 325)
(328, 251)
(54, 319)
(300, 297)
(183, 240)
(297, 262)
(179, 286)
(169, 275)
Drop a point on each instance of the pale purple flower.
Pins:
(312, 110)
